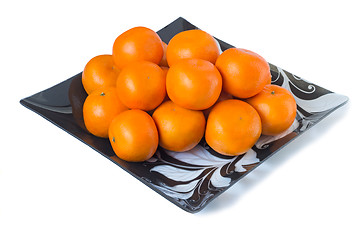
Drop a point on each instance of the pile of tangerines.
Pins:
(148, 93)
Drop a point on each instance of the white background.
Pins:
(52, 186)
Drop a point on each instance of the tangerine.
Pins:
(244, 72)
(133, 136)
(99, 72)
(193, 83)
(233, 127)
(141, 85)
(138, 43)
(99, 109)
(180, 129)
(193, 43)
(276, 107)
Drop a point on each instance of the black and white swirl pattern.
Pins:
(194, 177)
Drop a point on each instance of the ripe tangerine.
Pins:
(180, 129)
(141, 85)
(99, 72)
(193, 43)
(99, 109)
(138, 43)
(233, 127)
(133, 136)
(244, 72)
(276, 107)
(193, 83)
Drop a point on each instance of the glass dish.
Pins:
(190, 179)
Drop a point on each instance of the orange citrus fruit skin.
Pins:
(138, 43)
(99, 72)
(165, 69)
(180, 129)
(276, 107)
(163, 61)
(244, 72)
(233, 127)
(141, 85)
(99, 109)
(193, 83)
(192, 44)
(133, 136)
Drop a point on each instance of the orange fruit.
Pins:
(180, 129)
(163, 61)
(192, 44)
(99, 109)
(244, 72)
(276, 107)
(99, 72)
(138, 43)
(193, 83)
(141, 85)
(133, 136)
(233, 127)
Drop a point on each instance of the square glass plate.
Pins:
(190, 179)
